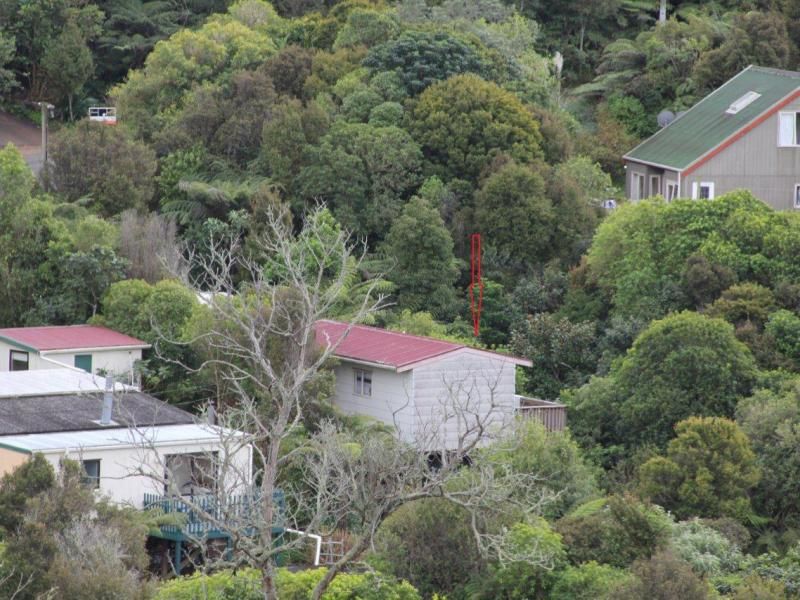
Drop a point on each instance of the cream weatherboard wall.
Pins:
(391, 401)
(455, 393)
(123, 469)
(432, 404)
(114, 361)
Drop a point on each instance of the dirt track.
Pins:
(26, 137)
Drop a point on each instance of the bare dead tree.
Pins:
(260, 339)
(262, 308)
(149, 243)
(360, 481)
(19, 583)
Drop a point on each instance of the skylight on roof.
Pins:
(742, 102)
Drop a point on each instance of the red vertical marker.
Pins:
(476, 304)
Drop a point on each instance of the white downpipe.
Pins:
(313, 536)
(44, 357)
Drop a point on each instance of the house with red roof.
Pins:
(90, 348)
(433, 392)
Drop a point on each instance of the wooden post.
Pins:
(45, 116)
(178, 557)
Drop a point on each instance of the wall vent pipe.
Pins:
(108, 401)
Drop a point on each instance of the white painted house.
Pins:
(432, 391)
(90, 348)
(125, 439)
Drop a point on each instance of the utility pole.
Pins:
(46, 110)
(662, 12)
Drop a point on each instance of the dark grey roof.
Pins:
(76, 412)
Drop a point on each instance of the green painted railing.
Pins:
(206, 515)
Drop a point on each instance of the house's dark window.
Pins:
(362, 382)
(655, 185)
(797, 195)
(703, 190)
(18, 361)
(83, 361)
(672, 191)
(91, 472)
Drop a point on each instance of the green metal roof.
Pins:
(706, 124)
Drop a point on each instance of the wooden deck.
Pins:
(552, 415)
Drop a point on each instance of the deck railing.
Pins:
(550, 414)
(206, 515)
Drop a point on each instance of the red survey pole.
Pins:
(476, 304)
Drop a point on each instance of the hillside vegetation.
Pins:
(670, 330)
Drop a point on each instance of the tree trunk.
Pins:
(268, 586)
(334, 569)
(69, 100)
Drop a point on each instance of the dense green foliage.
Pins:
(707, 471)
(419, 123)
(683, 365)
(245, 585)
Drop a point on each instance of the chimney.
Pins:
(108, 401)
(211, 414)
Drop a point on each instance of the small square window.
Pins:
(362, 382)
(703, 190)
(18, 361)
(91, 472)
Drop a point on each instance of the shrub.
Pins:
(759, 588)
(664, 577)
(105, 164)
(616, 531)
(707, 551)
(557, 459)
(589, 581)
(708, 470)
(420, 537)
(246, 585)
(523, 579)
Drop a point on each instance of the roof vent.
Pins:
(108, 403)
(742, 102)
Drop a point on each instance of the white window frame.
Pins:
(793, 115)
(362, 382)
(697, 186)
(637, 186)
(672, 191)
(796, 199)
(19, 356)
(658, 185)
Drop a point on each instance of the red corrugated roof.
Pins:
(383, 347)
(370, 344)
(67, 337)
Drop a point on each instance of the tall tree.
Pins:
(425, 269)
(68, 64)
(463, 122)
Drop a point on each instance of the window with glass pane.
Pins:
(91, 472)
(18, 361)
(363, 382)
(787, 128)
